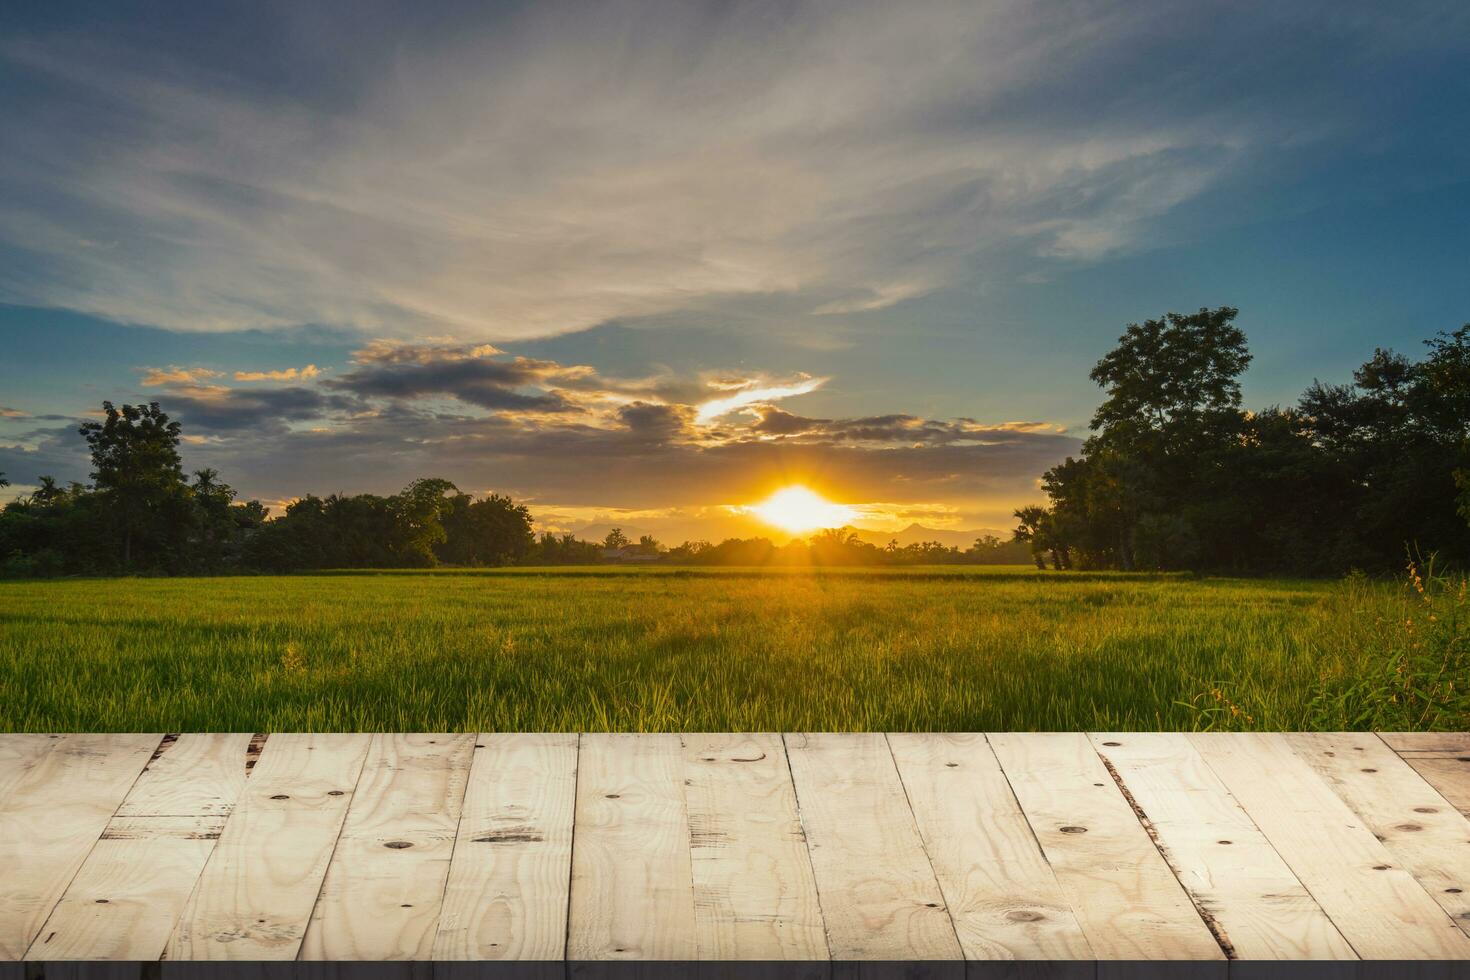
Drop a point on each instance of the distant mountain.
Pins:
(918, 534)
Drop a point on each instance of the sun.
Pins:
(797, 510)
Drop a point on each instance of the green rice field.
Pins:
(672, 649)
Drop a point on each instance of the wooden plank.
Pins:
(1001, 893)
(127, 896)
(754, 894)
(50, 819)
(1123, 893)
(632, 896)
(254, 899)
(1426, 835)
(1377, 907)
(384, 887)
(1428, 743)
(1442, 760)
(879, 896)
(509, 880)
(1219, 855)
(1450, 775)
(19, 754)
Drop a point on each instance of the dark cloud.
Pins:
(255, 411)
(774, 421)
(895, 429)
(657, 424)
(58, 452)
(486, 383)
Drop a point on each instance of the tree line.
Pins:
(142, 515)
(1178, 475)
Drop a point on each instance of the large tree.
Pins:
(494, 530)
(1145, 486)
(1398, 436)
(137, 470)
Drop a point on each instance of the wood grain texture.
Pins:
(1002, 895)
(1124, 894)
(128, 895)
(1378, 907)
(755, 897)
(1219, 855)
(735, 855)
(509, 881)
(255, 897)
(384, 887)
(1450, 775)
(880, 898)
(1443, 760)
(632, 894)
(19, 754)
(59, 803)
(1426, 835)
(1428, 743)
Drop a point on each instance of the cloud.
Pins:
(12, 413)
(288, 374)
(174, 375)
(755, 391)
(896, 429)
(531, 171)
(544, 430)
(473, 377)
(253, 413)
(425, 352)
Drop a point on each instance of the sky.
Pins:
(644, 263)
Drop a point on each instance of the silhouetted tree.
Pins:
(1396, 437)
(615, 540)
(492, 531)
(135, 456)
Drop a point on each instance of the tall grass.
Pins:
(653, 650)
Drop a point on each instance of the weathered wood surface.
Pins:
(1062, 850)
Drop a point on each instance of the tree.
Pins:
(137, 470)
(419, 512)
(1462, 480)
(491, 531)
(1144, 493)
(615, 540)
(1172, 383)
(1034, 527)
(1395, 437)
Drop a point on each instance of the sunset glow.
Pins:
(797, 510)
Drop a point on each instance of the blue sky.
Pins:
(520, 246)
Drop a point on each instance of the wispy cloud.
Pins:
(540, 170)
(755, 391)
